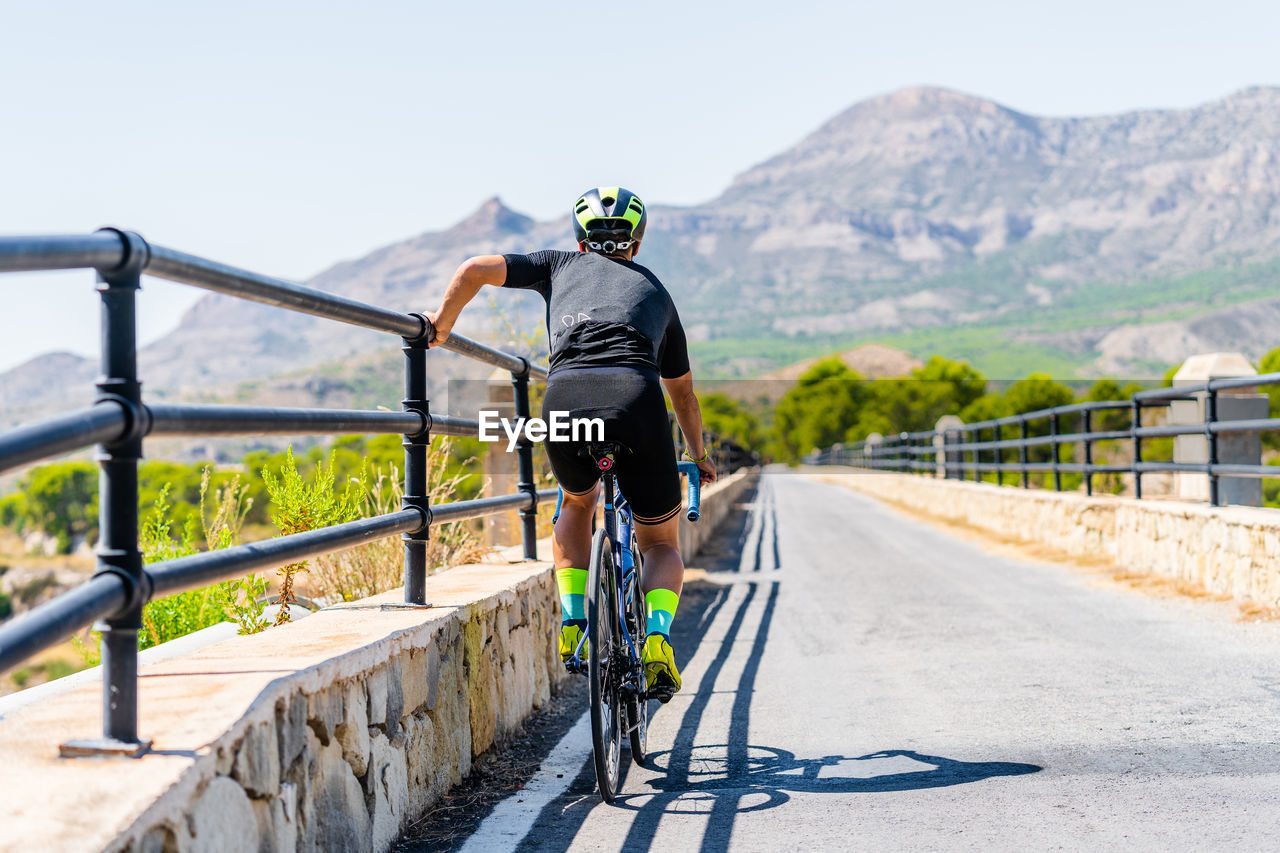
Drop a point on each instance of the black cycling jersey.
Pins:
(603, 312)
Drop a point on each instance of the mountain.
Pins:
(927, 219)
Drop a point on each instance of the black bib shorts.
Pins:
(630, 403)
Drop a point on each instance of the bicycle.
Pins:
(615, 626)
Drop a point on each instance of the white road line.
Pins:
(510, 821)
(751, 541)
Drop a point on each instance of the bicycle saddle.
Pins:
(603, 452)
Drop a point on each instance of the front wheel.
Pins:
(606, 711)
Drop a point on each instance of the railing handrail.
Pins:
(109, 250)
(120, 420)
(962, 446)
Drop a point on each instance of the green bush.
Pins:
(300, 503)
(729, 419)
(60, 499)
(221, 514)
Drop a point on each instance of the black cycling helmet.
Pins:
(613, 214)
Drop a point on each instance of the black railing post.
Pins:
(1135, 423)
(524, 451)
(415, 465)
(1087, 429)
(1211, 438)
(997, 433)
(1022, 452)
(117, 552)
(975, 436)
(1056, 457)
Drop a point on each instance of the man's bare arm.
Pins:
(474, 274)
(689, 416)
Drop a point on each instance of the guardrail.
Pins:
(962, 452)
(119, 420)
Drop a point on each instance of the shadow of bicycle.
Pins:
(721, 781)
(761, 777)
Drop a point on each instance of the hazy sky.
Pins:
(286, 136)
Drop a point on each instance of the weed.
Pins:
(299, 504)
(379, 566)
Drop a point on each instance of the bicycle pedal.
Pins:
(661, 692)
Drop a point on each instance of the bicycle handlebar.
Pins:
(691, 471)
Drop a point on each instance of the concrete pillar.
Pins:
(1238, 448)
(500, 471)
(944, 457)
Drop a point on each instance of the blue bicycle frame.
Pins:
(619, 527)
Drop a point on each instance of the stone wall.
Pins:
(716, 503)
(1228, 550)
(331, 733)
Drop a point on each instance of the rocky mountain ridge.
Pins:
(920, 209)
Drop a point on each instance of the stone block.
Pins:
(388, 786)
(376, 685)
(257, 763)
(222, 820)
(422, 764)
(334, 815)
(517, 690)
(420, 678)
(283, 834)
(324, 712)
(291, 729)
(477, 664)
(352, 734)
(395, 700)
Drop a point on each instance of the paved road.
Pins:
(864, 681)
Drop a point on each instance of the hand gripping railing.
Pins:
(119, 420)
(961, 448)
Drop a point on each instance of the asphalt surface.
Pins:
(854, 679)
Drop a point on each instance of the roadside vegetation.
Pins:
(187, 509)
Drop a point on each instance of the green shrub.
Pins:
(221, 514)
(300, 503)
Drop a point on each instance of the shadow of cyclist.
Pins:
(727, 779)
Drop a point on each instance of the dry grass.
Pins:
(1100, 567)
(379, 566)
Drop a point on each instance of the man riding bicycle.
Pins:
(614, 332)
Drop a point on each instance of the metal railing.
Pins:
(119, 420)
(968, 451)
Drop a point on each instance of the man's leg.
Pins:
(663, 579)
(571, 550)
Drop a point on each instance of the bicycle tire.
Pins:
(638, 713)
(606, 722)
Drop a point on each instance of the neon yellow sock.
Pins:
(573, 594)
(661, 606)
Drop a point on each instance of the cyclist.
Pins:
(614, 332)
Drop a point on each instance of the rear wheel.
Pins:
(638, 710)
(606, 711)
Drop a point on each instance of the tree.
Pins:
(1037, 391)
(940, 387)
(61, 499)
(1271, 364)
(819, 409)
(729, 419)
(1109, 389)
